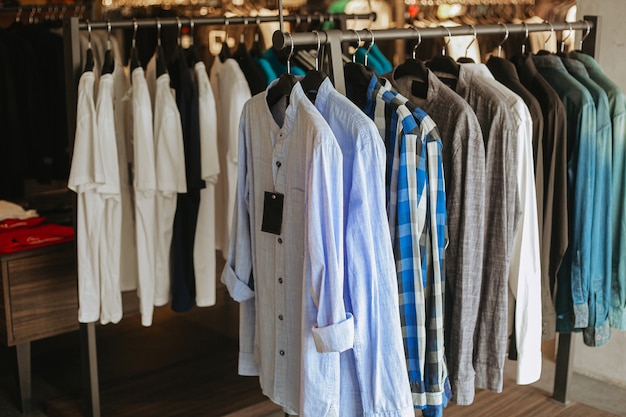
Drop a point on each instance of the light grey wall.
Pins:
(608, 362)
(611, 46)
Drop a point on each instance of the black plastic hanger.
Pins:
(134, 55)
(284, 84)
(445, 65)
(358, 78)
(89, 58)
(225, 52)
(192, 58)
(313, 78)
(416, 69)
(109, 62)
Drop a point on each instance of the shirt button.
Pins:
(281, 352)
(280, 280)
(278, 164)
(280, 240)
(280, 317)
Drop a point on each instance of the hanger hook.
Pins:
(358, 44)
(18, 16)
(545, 43)
(179, 24)
(134, 41)
(158, 25)
(587, 31)
(226, 24)
(506, 36)
(319, 48)
(447, 42)
(242, 37)
(192, 28)
(525, 37)
(290, 53)
(569, 33)
(88, 34)
(418, 43)
(370, 46)
(472, 41)
(109, 34)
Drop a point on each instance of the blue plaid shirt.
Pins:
(417, 215)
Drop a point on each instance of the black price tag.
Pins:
(273, 213)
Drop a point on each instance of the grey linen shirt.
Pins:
(501, 213)
(464, 168)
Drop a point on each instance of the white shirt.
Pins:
(231, 90)
(204, 244)
(145, 188)
(294, 324)
(525, 268)
(171, 180)
(86, 175)
(111, 221)
(128, 245)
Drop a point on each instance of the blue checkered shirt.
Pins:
(416, 207)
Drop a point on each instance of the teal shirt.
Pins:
(598, 331)
(617, 106)
(572, 306)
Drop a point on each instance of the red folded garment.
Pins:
(14, 224)
(34, 237)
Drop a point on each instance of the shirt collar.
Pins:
(295, 100)
(502, 69)
(549, 61)
(323, 93)
(526, 69)
(575, 67)
(588, 61)
(477, 70)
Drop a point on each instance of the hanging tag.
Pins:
(272, 213)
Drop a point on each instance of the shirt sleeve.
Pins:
(525, 271)
(237, 272)
(324, 256)
(583, 214)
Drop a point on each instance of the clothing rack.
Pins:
(73, 68)
(334, 38)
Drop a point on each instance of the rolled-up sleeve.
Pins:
(324, 257)
(237, 273)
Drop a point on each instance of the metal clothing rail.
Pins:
(73, 68)
(334, 39)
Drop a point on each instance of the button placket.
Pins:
(279, 288)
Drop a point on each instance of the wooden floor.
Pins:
(182, 367)
(520, 401)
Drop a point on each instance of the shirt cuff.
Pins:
(236, 288)
(336, 337)
(581, 316)
(247, 365)
(528, 366)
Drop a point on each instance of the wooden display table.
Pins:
(38, 299)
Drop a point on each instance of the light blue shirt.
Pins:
(293, 322)
(373, 374)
